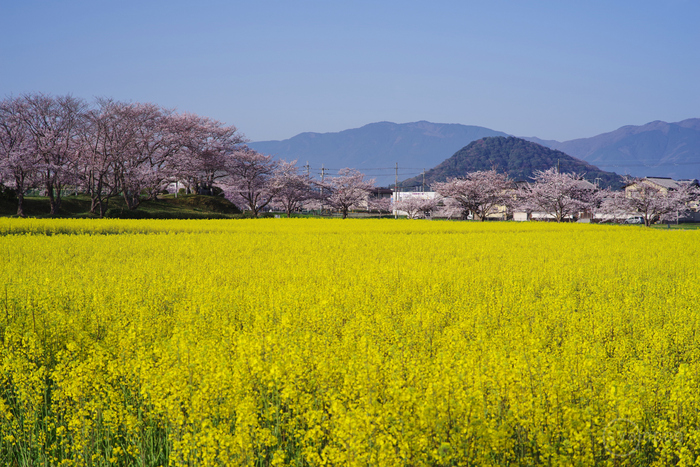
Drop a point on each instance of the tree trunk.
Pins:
(101, 205)
(252, 203)
(19, 184)
(132, 201)
(95, 197)
(104, 204)
(53, 202)
(20, 204)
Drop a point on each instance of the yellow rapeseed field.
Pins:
(356, 342)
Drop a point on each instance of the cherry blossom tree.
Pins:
(380, 205)
(292, 189)
(19, 164)
(249, 179)
(53, 124)
(606, 206)
(559, 195)
(348, 190)
(449, 208)
(113, 148)
(415, 207)
(147, 166)
(204, 145)
(136, 149)
(651, 202)
(480, 193)
(169, 147)
(107, 140)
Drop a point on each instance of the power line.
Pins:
(382, 168)
(650, 165)
(638, 164)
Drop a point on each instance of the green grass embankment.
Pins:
(165, 207)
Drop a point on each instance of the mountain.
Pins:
(656, 149)
(515, 156)
(374, 149)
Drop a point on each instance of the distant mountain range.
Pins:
(375, 148)
(516, 157)
(655, 149)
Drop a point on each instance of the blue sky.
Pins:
(553, 69)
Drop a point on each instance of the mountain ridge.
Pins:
(656, 148)
(415, 145)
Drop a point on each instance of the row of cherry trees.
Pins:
(107, 149)
(282, 186)
(556, 195)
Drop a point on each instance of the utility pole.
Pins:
(558, 169)
(396, 178)
(323, 173)
(308, 173)
(423, 186)
(396, 190)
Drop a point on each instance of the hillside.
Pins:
(165, 207)
(414, 146)
(655, 149)
(517, 157)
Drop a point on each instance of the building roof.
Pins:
(666, 183)
(585, 185)
(663, 182)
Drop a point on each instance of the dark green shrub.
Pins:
(8, 194)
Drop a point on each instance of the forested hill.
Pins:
(514, 156)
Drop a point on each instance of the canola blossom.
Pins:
(347, 342)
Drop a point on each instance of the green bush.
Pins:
(8, 194)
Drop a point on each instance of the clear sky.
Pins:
(559, 69)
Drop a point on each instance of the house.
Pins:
(663, 184)
(381, 193)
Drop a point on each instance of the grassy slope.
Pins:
(183, 207)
